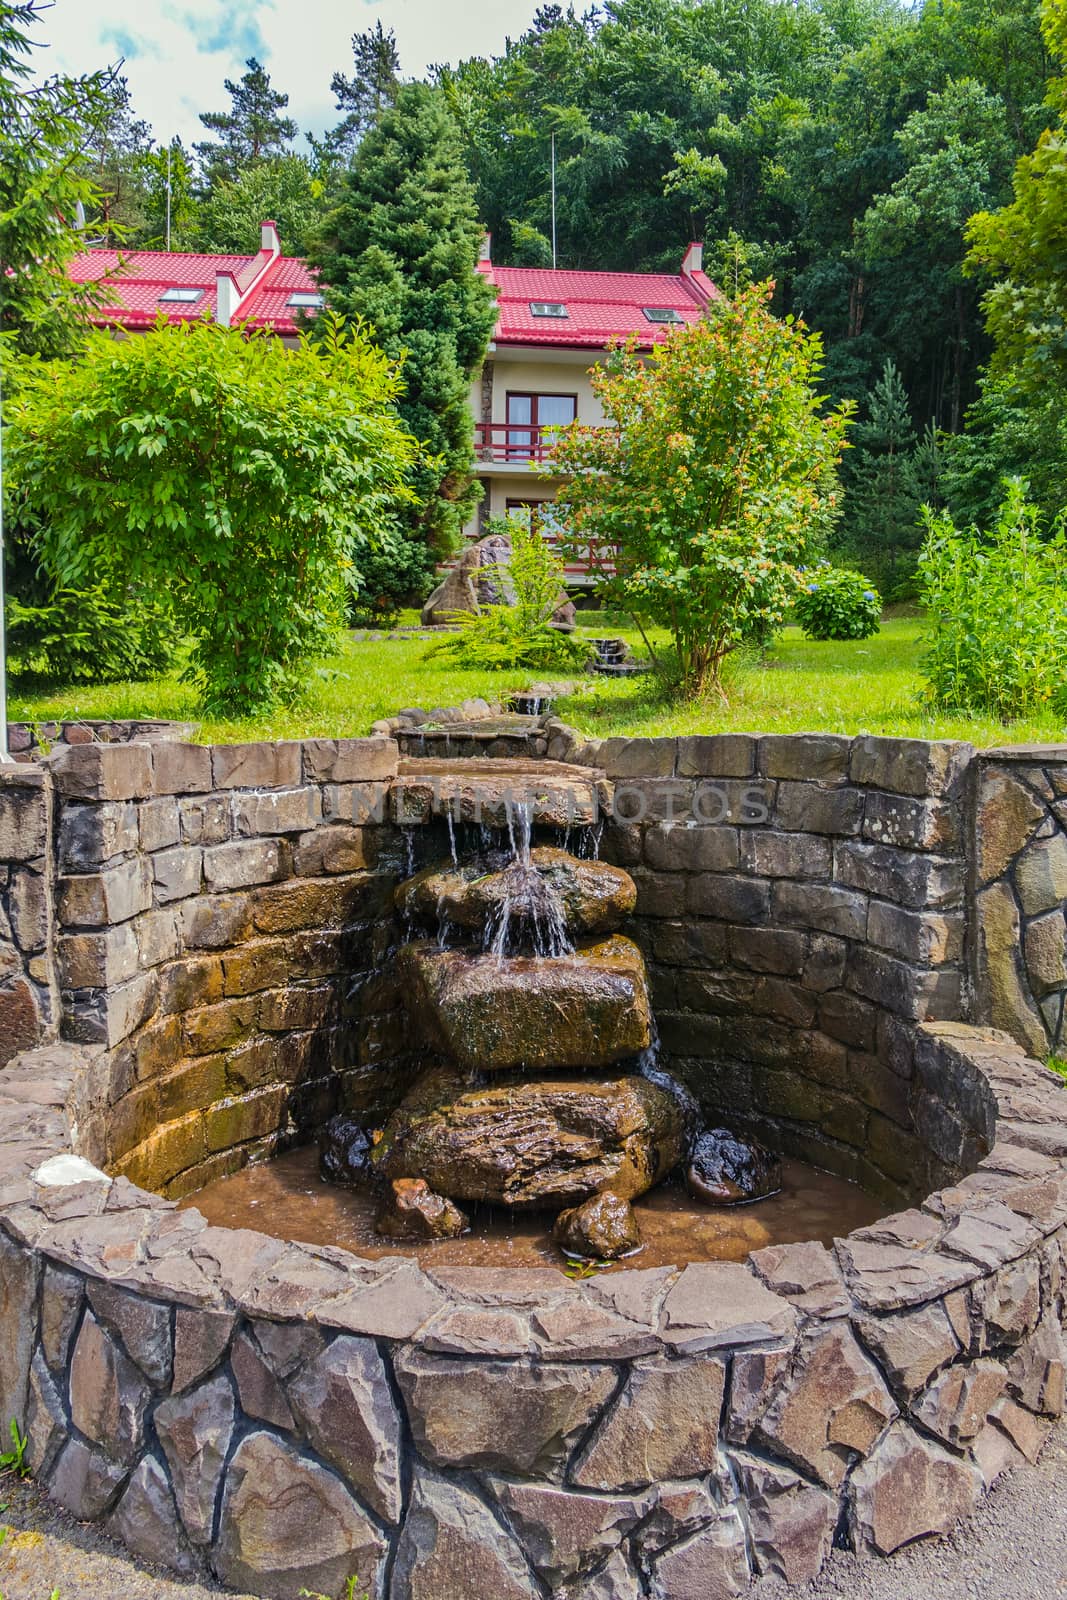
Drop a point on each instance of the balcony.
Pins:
(517, 445)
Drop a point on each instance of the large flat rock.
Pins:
(588, 896)
(586, 1010)
(527, 1142)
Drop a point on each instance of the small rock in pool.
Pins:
(411, 1210)
(344, 1152)
(725, 1170)
(602, 1227)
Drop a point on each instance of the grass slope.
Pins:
(869, 686)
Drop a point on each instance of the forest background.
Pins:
(838, 147)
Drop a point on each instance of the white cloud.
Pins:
(179, 51)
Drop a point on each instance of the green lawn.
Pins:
(871, 686)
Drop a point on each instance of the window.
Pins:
(547, 308)
(185, 295)
(663, 314)
(304, 298)
(529, 415)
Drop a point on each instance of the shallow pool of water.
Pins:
(286, 1198)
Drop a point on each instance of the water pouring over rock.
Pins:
(542, 1088)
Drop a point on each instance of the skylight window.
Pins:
(662, 314)
(187, 296)
(304, 298)
(547, 308)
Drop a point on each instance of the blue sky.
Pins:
(179, 51)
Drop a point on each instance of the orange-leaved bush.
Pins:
(713, 483)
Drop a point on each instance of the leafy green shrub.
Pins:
(714, 481)
(837, 603)
(996, 606)
(232, 474)
(395, 571)
(96, 635)
(518, 632)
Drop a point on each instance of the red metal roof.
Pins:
(601, 306)
(140, 277)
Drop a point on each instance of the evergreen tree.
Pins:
(400, 250)
(882, 500)
(43, 133)
(117, 146)
(252, 130)
(157, 174)
(366, 94)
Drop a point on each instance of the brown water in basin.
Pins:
(286, 1198)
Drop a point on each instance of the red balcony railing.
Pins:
(513, 441)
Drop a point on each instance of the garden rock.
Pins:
(585, 1010)
(602, 1228)
(410, 1209)
(274, 1496)
(591, 896)
(725, 1170)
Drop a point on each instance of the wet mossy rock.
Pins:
(595, 896)
(586, 1010)
(525, 1143)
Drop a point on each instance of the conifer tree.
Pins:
(400, 251)
(252, 130)
(368, 92)
(882, 500)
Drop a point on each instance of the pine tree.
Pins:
(400, 250)
(367, 93)
(252, 130)
(882, 501)
(114, 160)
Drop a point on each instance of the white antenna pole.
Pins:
(553, 199)
(169, 148)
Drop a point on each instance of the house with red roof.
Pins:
(553, 326)
(265, 290)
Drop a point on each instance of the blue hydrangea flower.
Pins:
(812, 587)
(868, 594)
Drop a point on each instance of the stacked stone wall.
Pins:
(28, 1001)
(1019, 869)
(289, 1417)
(223, 915)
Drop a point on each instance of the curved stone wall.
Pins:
(213, 940)
(292, 1416)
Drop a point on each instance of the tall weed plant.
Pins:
(996, 608)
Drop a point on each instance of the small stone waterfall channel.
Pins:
(540, 1089)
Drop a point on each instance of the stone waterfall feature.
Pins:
(539, 1090)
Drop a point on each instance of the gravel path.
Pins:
(1013, 1548)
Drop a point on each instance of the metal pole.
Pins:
(553, 199)
(169, 148)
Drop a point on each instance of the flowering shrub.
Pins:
(837, 603)
(715, 476)
(996, 607)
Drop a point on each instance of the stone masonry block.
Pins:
(280, 811)
(680, 848)
(350, 760)
(256, 766)
(787, 855)
(638, 758)
(717, 755)
(205, 819)
(28, 905)
(915, 824)
(98, 960)
(909, 766)
(181, 768)
(23, 822)
(908, 877)
(114, 895)
(103, 771)
(819, 808)
(728, 898)
(244, 862)
(91, 836)
(805, 755)
(176, 873)
(825, 907)
(158, 823)
(929, 937)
